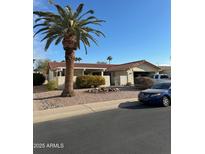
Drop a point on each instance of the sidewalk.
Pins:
(70, 111)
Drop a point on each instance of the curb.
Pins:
(71, 111)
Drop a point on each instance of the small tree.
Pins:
(101, 62)
(42, 66)
(78, 59)
(109, 58)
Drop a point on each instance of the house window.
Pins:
(63, 72)
(58, 73)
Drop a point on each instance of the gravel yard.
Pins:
(51, 99)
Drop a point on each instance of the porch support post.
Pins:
(102, 73)
(83, 72)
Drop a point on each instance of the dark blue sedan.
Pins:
(159, 93)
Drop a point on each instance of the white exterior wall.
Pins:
(123, 80)
(50, 75)
(130, 76)
(61, 81)
(107, 81)
(145, 68)
(120, 78)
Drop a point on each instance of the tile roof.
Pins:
(109, 67)
(54, 65)
(127, 66)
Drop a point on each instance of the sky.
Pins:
(134, 29)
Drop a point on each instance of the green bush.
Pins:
(89, 81)
(38, 79)
(52, 85)
(143, 82)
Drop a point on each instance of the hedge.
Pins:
(52, 85)
(89, 81)
(143, 83)
(38, 79)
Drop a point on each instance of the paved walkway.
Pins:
(70, 111)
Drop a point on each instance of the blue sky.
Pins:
(134, 29)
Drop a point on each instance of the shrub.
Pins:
(143, 82)
(52, 85)
(38, 79)
(129, 83)
(89, 81)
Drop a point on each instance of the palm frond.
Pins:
(61, 11)
(78, 10)
(49, 41)
(66, 22)
(41, 30)
(88, 12)
(58, 40)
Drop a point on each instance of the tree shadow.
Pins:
(50, 97)
(136, 105)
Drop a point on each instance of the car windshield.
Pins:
(161, 86)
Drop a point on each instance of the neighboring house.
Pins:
(165, 70)
(114, 74)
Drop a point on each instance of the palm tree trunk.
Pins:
(68, 88)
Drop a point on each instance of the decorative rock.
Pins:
(103, 89)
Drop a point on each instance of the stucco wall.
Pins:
(50, 75)
(123, 80)
(107, 81)
(145, 68)
(130, 76)
(119, 78)
(61, 81)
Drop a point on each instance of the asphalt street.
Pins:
(127, 130)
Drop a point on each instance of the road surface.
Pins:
(134, 130)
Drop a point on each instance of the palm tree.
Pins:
(109, 58)
(78, 59)
(69, 27)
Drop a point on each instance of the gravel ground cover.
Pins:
(50, 99)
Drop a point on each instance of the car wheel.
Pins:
(165, 101)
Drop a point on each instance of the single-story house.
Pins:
(114, 74)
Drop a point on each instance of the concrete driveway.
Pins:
(127, 130)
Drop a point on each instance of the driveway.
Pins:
(134, 130)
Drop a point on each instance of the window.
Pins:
(63, 72)
(164, 77)
(156, 76)
(58, 73)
